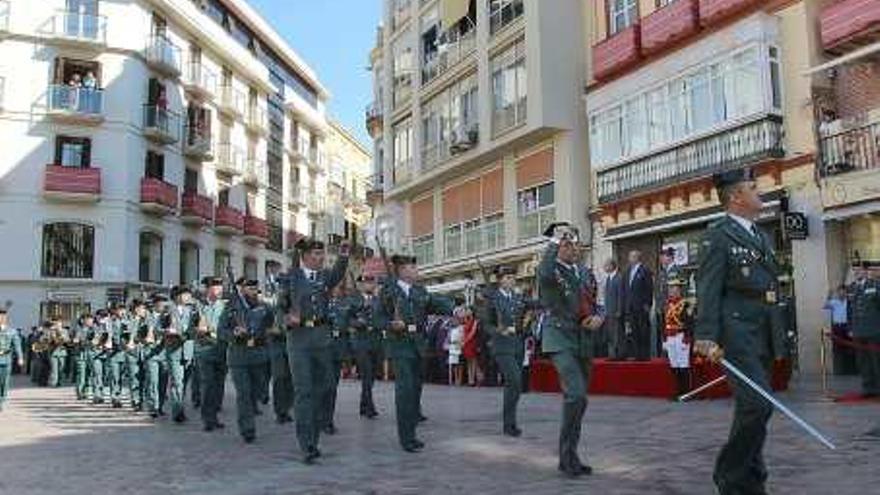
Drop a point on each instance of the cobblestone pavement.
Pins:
(49, 443)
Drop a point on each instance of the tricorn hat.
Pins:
(732, 177)
(212, 281)
(403, 259)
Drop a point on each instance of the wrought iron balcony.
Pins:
(72, 183)
(163, 56)
(198, 143)
(158, 196)
(374, 118)
(746, 144)
(76, 104)
(850, 150)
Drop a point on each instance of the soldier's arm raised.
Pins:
(547, 266)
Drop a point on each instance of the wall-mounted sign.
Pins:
(795, 225)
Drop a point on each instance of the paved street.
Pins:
(49, 443)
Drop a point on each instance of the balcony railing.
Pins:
(163, 56)
(196, 209)
(228, 220)
(617, 52)
(76, 27)
(255, 229)
(230, 159)
(257, 120)
(849, 24)
(851, 150)
(448, 55)
(533, 223)
(160, 124)
(749, 143)
(232, 101)
(502, 14)
(200, 80)
(256, 172)
(158, 196)
(198, 144)
(76, 103)
(72, 183)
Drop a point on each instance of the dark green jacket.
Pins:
(560, 291)
(363, 322)
(311, 300)
(863, 303)
(413, 310)
(737, 291)
(256, 318)
(502, 318)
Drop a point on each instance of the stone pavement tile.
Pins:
(51, 444)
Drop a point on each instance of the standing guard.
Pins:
(304, 303)
(366, 339)
(211, 353)
(180, 322)
(101, 347)
(115, 356)
(85, 332)
(404, 309)
(59, 341)
(567, 293)
(10, 348)
(138, 323)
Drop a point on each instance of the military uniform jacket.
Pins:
(737, 291)
(560, 289)
(211, 314)
(10, 345)
(503, 319)
(363, 322)
(413, 309)
(864, 307)
(310, 299)
(257, 319)
(82, 341)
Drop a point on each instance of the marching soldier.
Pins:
(864, 304)
(304, 303)
(282, 383)
(154, 355)
(58, 342)
(10, 348)
(84, 334)
(115, 356)
(736, 298)
(179, 324)
(405, 307)
(338, 345)
(100, 347)
(243, 326)
(503, 316)
(567, 293)
(138, 327)
(210, 353)
(366, 339)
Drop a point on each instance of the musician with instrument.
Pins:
(139, 323)
(176, 323)
(58, 342)
(210, 353)
(567, 293)
(115, 356)
(100, 345)
(153, 354)
(366, 339)
(304, 306)
(404, 309)
(503, 317)
(10, 349)
(281, 380)
(85, 332)
(243, 326)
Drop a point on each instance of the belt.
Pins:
(251, 342)
(314, 322)
(762, 296)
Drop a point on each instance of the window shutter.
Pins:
(153, 95)
(87, 153)
(58, 77)
(59, 144)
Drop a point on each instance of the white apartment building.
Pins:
(478, 139)
(149, 143)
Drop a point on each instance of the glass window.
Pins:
(68, 250)
(536, 206)
(155, 166)
(622, 14)
(509, 88)
(189, 263)
(250, 268)
(452, 241)
(150, 258)
(503, 12)
(73, 152)
(423, 249)
(221, 261)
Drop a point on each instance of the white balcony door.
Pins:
(81, 19)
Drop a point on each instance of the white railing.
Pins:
(74, 26)
(230, 158)
(76, 100)
(197, 75)
(161, 52)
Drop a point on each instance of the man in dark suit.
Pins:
(638, 297)
(737, 294)
(616, 339)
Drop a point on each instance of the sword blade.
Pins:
(701, 388)
(778, 405)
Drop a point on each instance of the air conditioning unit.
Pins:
(464, 138)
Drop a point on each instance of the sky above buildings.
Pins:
(334, 37)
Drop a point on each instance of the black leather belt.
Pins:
(251, 341)
(763, 296)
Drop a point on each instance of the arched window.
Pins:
(150, 258)
(68, 250)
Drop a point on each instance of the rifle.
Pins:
(239, 305)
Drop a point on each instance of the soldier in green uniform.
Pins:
(338, 351)
(404, 309)
(210, 353)
(115, 356)
(243, 326)
(736, 298)
(864, 306)
(178, 325)
(84, 333)
(58, 341)
(100, 346)
(304, 304)
(281, 381)
(140, 325)
(154, 359)
(567, 292)
(502, 317)
(366, 339)
(10, 349)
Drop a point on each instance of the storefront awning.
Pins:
(451, 11)
(849, 57)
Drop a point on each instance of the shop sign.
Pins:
(795, 225)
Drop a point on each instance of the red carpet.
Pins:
(855, 398)
(643, 378)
